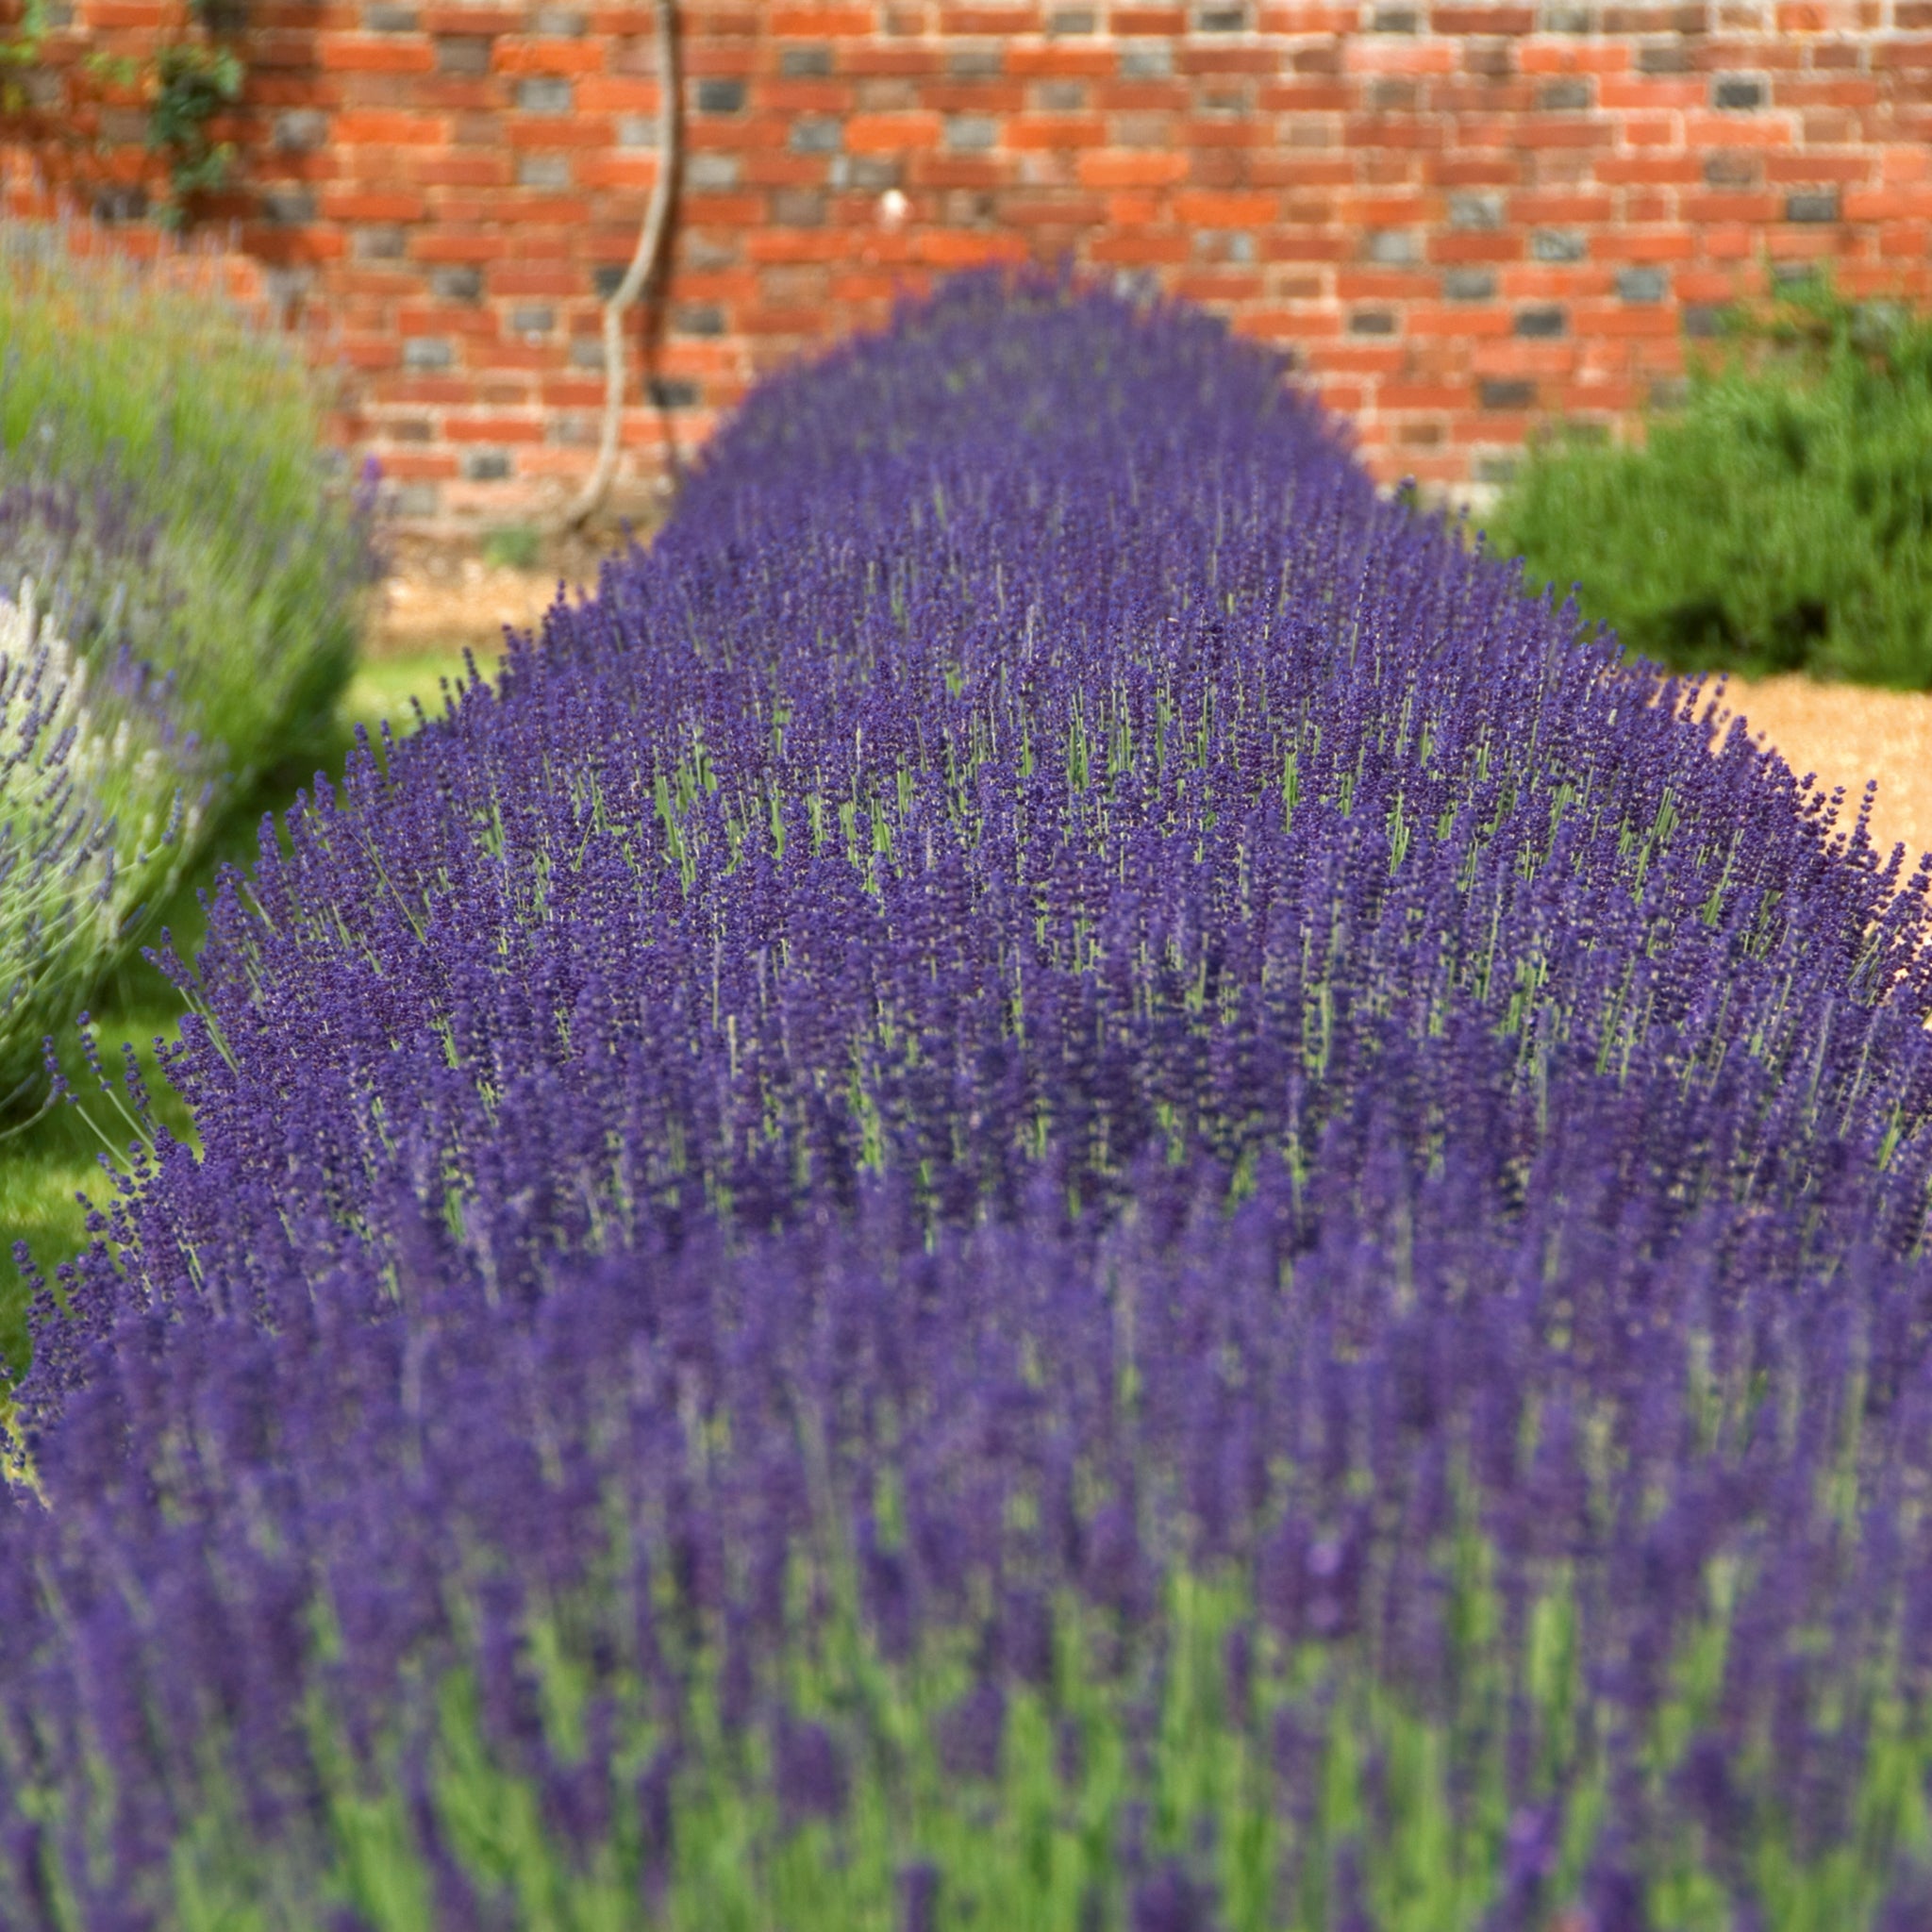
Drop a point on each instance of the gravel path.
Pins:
(1847, 734)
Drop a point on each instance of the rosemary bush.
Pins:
(1781, 522)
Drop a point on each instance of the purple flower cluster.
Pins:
(1053, 1072)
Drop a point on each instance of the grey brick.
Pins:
(1063, 97)
(545, 94)
(805, 63)
(1641, 284)
(1472, 207)
(1564, 18)
(698, 319)
(1496, 467)
(1393, 247)
(1558, 244)
(1670, 57)
(457, 284)
(1372, 322)
(671, 393)
(587, 352)
(1728, 168)
(486, 465)
(300, 130)
(558, 23)
(1468, 285)
(604, 281)
(1812, 205)
(974, 63)
(543, 170)
(390, 20)
(713, 170)
(288, 207)
(532, 319)
(1222, 20)
(637, 130)
(428, 352)
(382, 243)
(1704, 319)
(1550, 321)
(1669, 391)
(1146, 60)
(462, 53)
(1072, 20)
(1506, 393)
(1570, 95)
(1394, 20)
(720, 96)
(799, 207)
(971, 134)
(816, 134)
(1738, 90)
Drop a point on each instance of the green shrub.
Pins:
(513, 546)
(1781, 522)
(166, 498)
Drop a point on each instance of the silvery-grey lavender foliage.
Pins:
(1059, 1176)
(99, 789)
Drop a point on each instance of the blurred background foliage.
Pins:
(1781, 521)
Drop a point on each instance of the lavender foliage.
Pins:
(1059, 1176)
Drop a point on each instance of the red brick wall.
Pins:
(1462, 217)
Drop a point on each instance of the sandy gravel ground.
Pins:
(439, 600)
(466, 602)
(1846, 735)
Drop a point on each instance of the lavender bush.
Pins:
(1060, 1176)
(161, 486)
(98, 806)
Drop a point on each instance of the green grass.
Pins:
(44, 1167)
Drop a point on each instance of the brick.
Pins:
(1204, 211)
(372, 54)
(518, 57)
(892, 133)
(1112, 168)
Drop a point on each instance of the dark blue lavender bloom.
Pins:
(808, 1771)
(1168, 1900)
(919, 1897)
(971, 1734)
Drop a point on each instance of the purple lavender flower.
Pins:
(1048, 1020)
